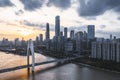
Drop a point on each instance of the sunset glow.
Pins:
(25, 32)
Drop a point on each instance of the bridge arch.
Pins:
(30, 50)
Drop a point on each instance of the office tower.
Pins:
(79, 37)
(47, 36)
(57, 25)
(65, 32)
(85, 35)
(72, 34)
(17, 42)
(47, 32)
(91, 31)
(61, 33)
(61, 41)
(23, 43)
(41, 38)
(37, 40)
(110, 36)
(114, 38)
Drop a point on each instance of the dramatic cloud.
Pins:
(97, 7)
(63, 4)
(5, 3)
(31, 5)
(52, 26)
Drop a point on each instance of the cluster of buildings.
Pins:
(78, 42)
(82, 42)
(106, 49)
(6, 44)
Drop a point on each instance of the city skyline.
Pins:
(28, 21)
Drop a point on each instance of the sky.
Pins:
(27, 18)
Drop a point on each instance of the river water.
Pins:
(51, 71)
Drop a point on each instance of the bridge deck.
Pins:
(36, 64)
(25, 66)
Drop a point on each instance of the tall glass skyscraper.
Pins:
(72, 34)
(65, 32)
(41, 37)
(57, 25)
(91, 31)
(47, 31)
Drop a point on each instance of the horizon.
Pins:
(27, 19)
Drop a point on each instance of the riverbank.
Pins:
(103, 65)
(94, 63)
(97, 68)
(99, 64)
(16, 52)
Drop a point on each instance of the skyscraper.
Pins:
(47, 31)
(57, 25)
(65, 32)
(72, 34)
(41, 38)
(17, 42)
(79, 37)
(61, 33)
(110, 36)
(37, 40)
(91, 31)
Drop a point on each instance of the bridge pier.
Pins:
(30, 50)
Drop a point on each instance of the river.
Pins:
(51, 71)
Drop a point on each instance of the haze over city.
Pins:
(27, 19)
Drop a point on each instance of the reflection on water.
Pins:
(10, 60)
(76, 72)
(29, 75)
(51, 71)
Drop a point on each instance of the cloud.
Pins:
(107, 33)
(78, 28)
(5, 3)
(90, 18)
(32, 5)
(118, 18)
(52, 26)
(102, 26)
(35, 25)
(97, 7)
(63, 4)
(19, 12)
(77, 21)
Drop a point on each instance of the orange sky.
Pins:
(12, 31)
